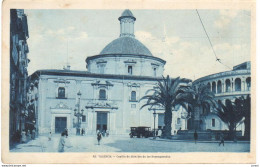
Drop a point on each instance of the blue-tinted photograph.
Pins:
(130, 80)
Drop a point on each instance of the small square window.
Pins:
(133, 105)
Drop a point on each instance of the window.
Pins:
(154, 72)
(133, 105)
(130, 70)
(133, 96)
(83, 118)
(102, 69)
(213, 123)
(219, 87)
(61, 92)
(214, 87)
(238, 84)
(102, 94)
(248, 83)
(228, 86)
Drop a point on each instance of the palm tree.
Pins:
(244, 104)
(231, 114)
(200, 101)
(167, 94)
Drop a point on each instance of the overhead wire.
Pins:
(217, 59)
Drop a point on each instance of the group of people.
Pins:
(24, 136)
(104, 133)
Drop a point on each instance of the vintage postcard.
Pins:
(128, 82)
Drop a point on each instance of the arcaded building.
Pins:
(107, 94)
(226, 85)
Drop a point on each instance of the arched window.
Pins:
(228, 86)
(209, 86)
(219, 87)
(133, 96)
(238, 84)
(214, 87)
(61, 92)
(248, 84)
(102, 94)
(213, 122)
(130, 70)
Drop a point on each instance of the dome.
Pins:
(127, 13)
(126, 45)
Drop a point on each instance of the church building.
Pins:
(105, 96)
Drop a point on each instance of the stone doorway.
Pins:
(101, 121)
(60, 124)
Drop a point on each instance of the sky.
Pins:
(177, 36)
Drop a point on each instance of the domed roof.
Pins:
(126, 45)
(127, 13)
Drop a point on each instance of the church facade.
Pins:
(105, 96)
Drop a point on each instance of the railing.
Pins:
(232, 93)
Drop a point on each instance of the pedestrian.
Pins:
(160, 132)
(62, 142)
(99, 136)
(33, 133)
(66, 132)
(103, 133)
(49, 136)
(195, 136)
(23, 136)
(221, 139)
(107, 133)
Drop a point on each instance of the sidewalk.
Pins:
(73, 144)
(198, 141)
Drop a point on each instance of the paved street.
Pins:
(126, 144)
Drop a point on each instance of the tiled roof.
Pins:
(126, 45)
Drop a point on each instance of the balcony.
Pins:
(233, 93)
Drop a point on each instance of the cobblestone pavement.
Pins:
(126, 144)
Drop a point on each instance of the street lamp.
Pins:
(154, 116)
(78, 113)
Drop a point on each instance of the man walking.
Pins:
(195, 136)
(221, 139)
(99, 136)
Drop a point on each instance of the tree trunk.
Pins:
(231, 134)
(196, 118)
(168, 121)
(247, 128)
(247, 125)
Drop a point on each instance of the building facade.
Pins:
(226, 85)
(106, 96)
(18, 71)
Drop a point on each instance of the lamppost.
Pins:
(154, 116)
(78, 113)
